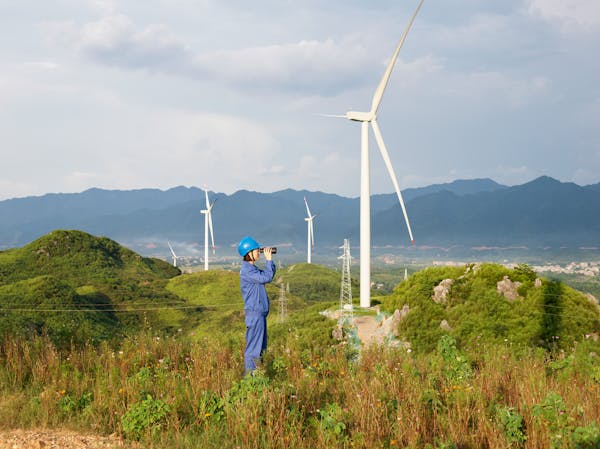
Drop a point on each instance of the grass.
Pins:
(499, 378)
(175, 392)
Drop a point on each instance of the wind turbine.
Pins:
(175, 256)
(365, 204)
(208, 225)
(311, 236)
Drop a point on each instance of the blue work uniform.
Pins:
(256, 308)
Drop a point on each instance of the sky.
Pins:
(230, 95)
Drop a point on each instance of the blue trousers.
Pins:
(256, 339)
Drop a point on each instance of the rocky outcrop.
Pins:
(441, 291)
(508, 288)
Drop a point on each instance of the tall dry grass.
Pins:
(302, 398)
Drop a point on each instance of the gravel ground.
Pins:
(57, 439)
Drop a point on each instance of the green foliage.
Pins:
(587, 437)
(148, 415)
(211, 406)
(552, 413)
(70, 405)
(513, 426)
(330, 422)
(456, 367)
(552, 316)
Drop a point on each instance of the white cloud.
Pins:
(571, 15)
(115, 40)
(312, 65)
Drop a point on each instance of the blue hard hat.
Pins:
(246, 245)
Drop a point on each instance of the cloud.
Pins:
(323, 66)
(571, 15)
(116, 41)
(305, 65)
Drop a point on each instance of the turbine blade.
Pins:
(212, 236)
(388, 71)
(206, 196)
(333, 115)
(171, 248)
(307, 209)
(388, 164)
(312, 233)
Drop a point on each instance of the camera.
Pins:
(262, 250)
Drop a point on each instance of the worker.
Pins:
(253, 282)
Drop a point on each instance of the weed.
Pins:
(147, 415)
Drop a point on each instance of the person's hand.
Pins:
(268, 252)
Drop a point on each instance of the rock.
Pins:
(445, 326)
(404, 311)
(338, 333)
(508, 288)
(441, 291)
(537, 283)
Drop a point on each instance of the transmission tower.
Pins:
(346, 288)
(283, 302)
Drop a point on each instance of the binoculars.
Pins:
(262, 250)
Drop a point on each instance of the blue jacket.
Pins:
(252, 284)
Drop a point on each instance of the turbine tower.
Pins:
(208, 225)
(310, 236)
(175, 256)
(365, 204)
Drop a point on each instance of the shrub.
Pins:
(147, 415)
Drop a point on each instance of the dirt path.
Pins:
(57, 439)
(367, 330)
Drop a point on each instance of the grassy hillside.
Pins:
(546, 313)
(77, 286)
(220, 305)
(313, 282)
(497, 378)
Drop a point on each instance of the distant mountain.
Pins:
(481, 212)
(543, 212)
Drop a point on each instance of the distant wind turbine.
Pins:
(208, 225)
(175, 257)
(365, 206)
(311, 235)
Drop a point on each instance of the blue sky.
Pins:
(227, 94)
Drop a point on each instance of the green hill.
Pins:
(73, 285)
(217, 296)
(313, 282)
(543, 313)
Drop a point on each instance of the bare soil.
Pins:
(58, 439)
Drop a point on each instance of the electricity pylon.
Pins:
(346, 313)
(283, 302)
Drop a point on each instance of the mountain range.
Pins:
(543, 213)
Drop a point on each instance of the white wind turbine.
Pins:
(365, 205)
(175, 256)
(208, 225)
(311, 235)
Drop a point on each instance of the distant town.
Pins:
(581, 268)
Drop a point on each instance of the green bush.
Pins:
(149, 415)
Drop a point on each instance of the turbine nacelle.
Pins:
(360, 116)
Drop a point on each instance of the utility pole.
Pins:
(346, 307)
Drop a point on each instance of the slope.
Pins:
(66, 279)
(488, 303)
